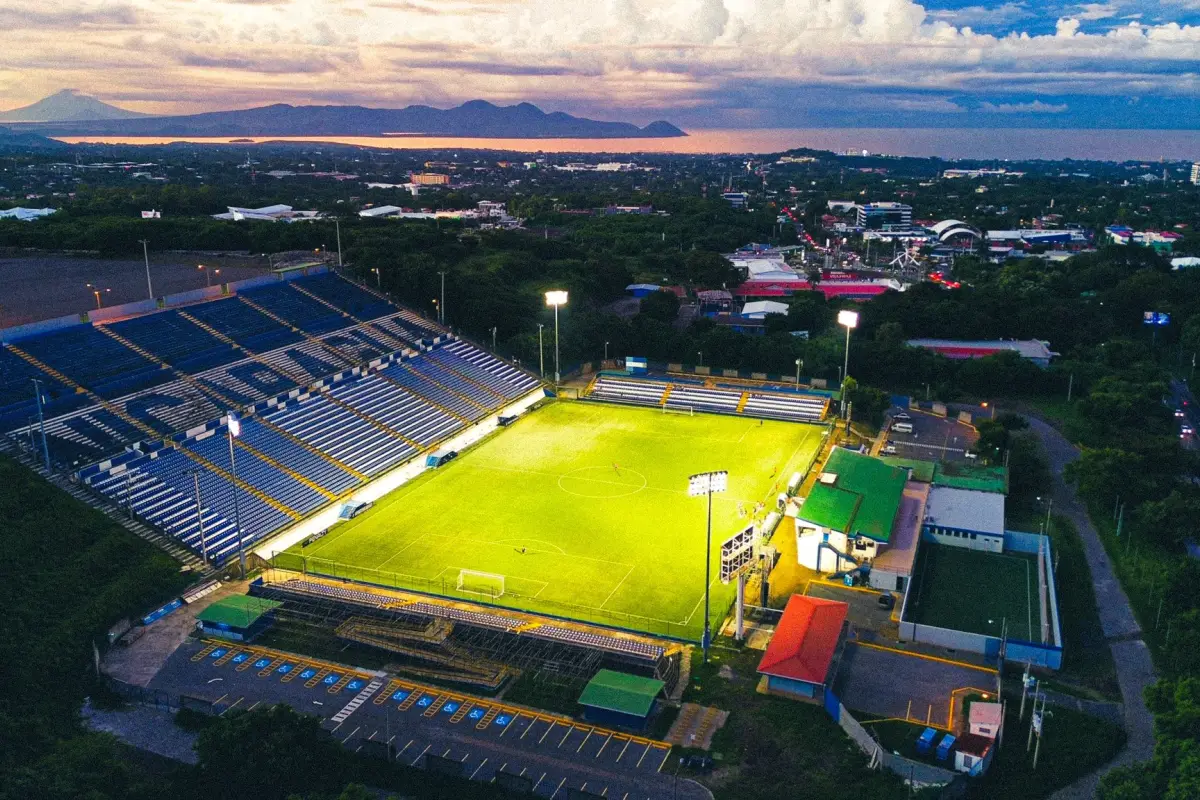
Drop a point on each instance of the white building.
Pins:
(759, 309)
(1196, 174)
(965, 518)
(974, 750)
(275, 213)
(26, 214)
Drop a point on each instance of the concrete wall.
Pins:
(955, 640)
(123, 310)
(971, 540)
(18, 332)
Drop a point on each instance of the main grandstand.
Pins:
(335, 386)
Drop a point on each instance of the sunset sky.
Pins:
(698, 63)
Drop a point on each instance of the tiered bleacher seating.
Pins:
(784, 406)
(308, 463)
(17, 403)
(247, 326)
(452, 380)
(397, 409)
(332, 429)
(176, 340)
(702, 399)
(400, 329)
(483, 368)
(445, 398)
(336, 592)
(98, 362)
(304, 312)
(480, 618)
(616, 644)
(354, 300)
(648, 393)
(268, 479)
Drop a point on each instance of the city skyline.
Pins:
(698, 63)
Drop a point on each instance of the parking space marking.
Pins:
(220, 662)
(556, 788)
(200, 656)
(585, 741)
(418, 758)
(313, 680)
(402, 749)
(293, 671)
(539, 782)
(666, 755)
(235, 704)
(269, 667)
(564, 739)
(529, 727)
(386, 693)
(623, 749)
(243, 661)
(476, 772)
(219, 699)
(446, 753)
(507, 724)
(461, 712)
(257, 703)
(351, 736)
(601, 750)
(339, 684)
(407, 703)
(433, 707)
(643, 758)
(547, 733)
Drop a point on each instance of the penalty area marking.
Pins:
(561, 552)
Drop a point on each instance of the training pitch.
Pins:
(974, 591)
(582, 508)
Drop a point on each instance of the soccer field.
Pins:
(582, 508)
(974, 591)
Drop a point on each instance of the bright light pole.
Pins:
(337, 224)
(706, 484)
(606, 351)
(208, 273)
(96, 292)
(234, 429)
(850, 320)
(556, 298)
(700, 357)
(799, 366)
(378, 278)
(541, 354)
(146, 256)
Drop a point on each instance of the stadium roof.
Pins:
(621, 692)
(805, 639)
(960, 475)
(965, 510)
(855, 494)
(922, 471)
(237, 610)
(952, 227)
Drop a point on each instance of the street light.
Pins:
(234, 429)
(850, 320)
(208, 273)
(96, 292)
(541, 354)
(442, 304)
(606, 351)
(556, 298)
(700, 358)
(706, 484)
(493, 338)
(378, 278)
(799, 366)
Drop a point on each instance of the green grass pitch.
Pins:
(582, 507)
(974, 591)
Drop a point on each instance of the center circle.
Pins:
(602, 482)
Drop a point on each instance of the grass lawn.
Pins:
(974, 591)
(581, 507)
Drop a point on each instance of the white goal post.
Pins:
(685, 410)
(488, 584)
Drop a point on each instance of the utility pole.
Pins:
(233, 429)
(337, 224)
(146, 256)
(493, 338)
(195, 473)
(541, 354)
(37, 390)
(1071, 385)
(442, 305)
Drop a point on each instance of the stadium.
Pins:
(308, 425)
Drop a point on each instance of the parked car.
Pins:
(886, 601)
(889, 449)
(901, 415)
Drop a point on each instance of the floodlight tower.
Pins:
(706, 484)
(556, 298)
(850, 320)
(541, 354)
(234, 429)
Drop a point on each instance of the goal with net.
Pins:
(486, 584)
(687, 411)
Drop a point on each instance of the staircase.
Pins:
(471, 380)
(742, 402)
(662, 401)
(323, 301)
(146, 354)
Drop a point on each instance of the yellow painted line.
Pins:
(200, 656)
(382, 697)
(315, 679)
(837, 585)
(435, 705)
(412, 698)
(462, 711)
(988, 670)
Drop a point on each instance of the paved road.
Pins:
(1135, 670)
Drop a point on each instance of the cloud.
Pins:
(1035, 107)
(1095, 11)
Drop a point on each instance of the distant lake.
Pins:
(1016, 143)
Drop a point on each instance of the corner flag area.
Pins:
(578, 510)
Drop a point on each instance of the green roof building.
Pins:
(239, 617)
(620, 699)
(856, 495)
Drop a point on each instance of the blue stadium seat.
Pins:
(299, 309)
(176, 340)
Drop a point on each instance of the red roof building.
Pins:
(801, 651)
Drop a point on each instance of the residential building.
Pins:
(974, 750)
(430, 179)
(1196, 174)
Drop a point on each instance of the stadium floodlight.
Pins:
(233, 428)
(706, 484)
(850, 320)
(556, 298)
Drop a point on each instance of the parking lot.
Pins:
(933, 438)
(894, 684)
(865, 613)
(431, 727)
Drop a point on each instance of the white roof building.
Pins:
(764, 269)
(1183, 262)
(758, 309)
(275, 213)
(26, 214)
(380, 211)
(965, 510)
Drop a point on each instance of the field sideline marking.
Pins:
(618, 586)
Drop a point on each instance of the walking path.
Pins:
(1135, 670)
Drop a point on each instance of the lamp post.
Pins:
(541, 354)
(442, 304)
(706, 484)
(146, 257)
(799, 366)
(234, 429)
(493, 338)
(337, 226)
(556, 298)
(850, 320)
(37, 390)
(97, 293)
(700, 358)
(208, 273)
(606, 351)
(378, 278)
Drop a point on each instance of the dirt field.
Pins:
(45, 286)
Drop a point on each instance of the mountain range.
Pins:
(69, 113)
